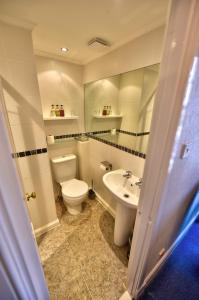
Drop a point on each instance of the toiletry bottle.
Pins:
(61, 111)
(52, 112)
(104, 112)
(107, 109)
(57, 111)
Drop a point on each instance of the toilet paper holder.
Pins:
(107, 165)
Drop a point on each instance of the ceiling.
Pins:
(72, 23)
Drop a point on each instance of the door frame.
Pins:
(180, 48)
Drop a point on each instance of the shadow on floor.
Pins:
(106, 224)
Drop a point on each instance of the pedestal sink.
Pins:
(126, 193)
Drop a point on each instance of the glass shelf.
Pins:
(107, 117)
(60, 118)
(62, 141)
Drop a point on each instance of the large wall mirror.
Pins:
(122, 107)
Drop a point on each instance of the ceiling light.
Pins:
(63, 49)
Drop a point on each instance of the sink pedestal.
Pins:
(124, 222)
(126, 196)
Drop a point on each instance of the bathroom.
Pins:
(99, 125)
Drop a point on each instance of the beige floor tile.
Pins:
(79, 257)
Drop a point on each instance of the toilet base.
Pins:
(74, 210)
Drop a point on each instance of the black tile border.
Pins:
(92, 134)
(65, 136)
(29, 153)
(73, 135)
(120, 147)
(133, 133)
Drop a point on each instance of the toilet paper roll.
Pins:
(50, 139)
(103, 167)
(113, 131)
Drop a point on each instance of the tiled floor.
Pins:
(79, 257)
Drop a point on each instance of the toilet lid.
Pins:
(74, 188)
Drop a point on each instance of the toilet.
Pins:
(74, 191)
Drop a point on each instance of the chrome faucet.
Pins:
(139, 183)
(128, 174)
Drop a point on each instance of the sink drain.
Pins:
(126, 195)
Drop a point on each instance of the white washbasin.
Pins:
(124, 189)
(126, 193)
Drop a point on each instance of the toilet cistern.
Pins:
(74, 191)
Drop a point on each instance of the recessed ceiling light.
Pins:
(63, 49)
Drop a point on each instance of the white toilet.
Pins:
(74, 191)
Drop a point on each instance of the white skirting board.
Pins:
(47, 227)
(126, 296)
(164, 258)
(105, 205)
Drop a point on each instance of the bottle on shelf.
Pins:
(108, 110)
(104, 111)
(62, 111)
(57, 111)
(52, 111)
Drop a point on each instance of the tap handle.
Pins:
(129, 172)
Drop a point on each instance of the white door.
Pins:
(20, 270)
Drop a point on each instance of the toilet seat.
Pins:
(74, 188)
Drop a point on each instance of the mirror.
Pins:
(123, 102)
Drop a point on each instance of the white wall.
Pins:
(141, 52)
(61, 83)
(21, 93)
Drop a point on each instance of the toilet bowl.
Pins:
(74, 192)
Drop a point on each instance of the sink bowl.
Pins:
(122, 188)
(126, 193)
